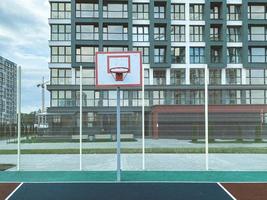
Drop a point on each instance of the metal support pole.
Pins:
(118, 136)
(18, 114)
(143, 120)
(206, 119)
(81, 116)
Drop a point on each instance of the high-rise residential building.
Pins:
(8, 91)
(178, 39)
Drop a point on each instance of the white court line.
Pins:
(14, 191)
(227, 191)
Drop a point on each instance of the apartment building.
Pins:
(8, 91)
(178, 39)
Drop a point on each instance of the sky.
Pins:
(24, 35)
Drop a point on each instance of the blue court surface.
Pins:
(120, 191)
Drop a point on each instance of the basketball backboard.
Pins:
(119, 69)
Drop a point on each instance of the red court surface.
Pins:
(6, 189)
(247, 191)
(133, 191)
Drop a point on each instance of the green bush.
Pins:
(194, 133)
(258, 134)
(211, 134)
(239, 134)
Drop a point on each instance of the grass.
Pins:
(235, 150)
(45, 140)
(230, 142)
(4, 167)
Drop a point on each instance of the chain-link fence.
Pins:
(175, 136)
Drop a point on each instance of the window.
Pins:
(61, 98)
(255, 97)
(215, 77)
(159, 77)
(215, 97)
(257, 33)
(90, 119)
(234, 55)
(115, 11)
(178, 97)
(140, 11)
(124, 95)
(197, 97)
(56, 120)
(112, 32)
(257, 55)
(215, 54)
(197, 76)
(87, 10)
(159, 11)
(177, 11)
(177, 33)
(234, 12)
(159, 55)
(215, 33)
(145, 53)
(87, 32)
(177, 76)
(233, 76)
(137, 98)
(256, 76)
(215, 12)
(196, 12)
(60, 76)
(140, 34)
(112, 98)
(89, 98)
(197, 55)
(60, 54)
(60, 10)
(105, 98)
(60, 32)
(232, 97)
(146, 77)
(158, 97)
(233, 34)
(54, 98)
(97, 99)
(178, 54)
(196, 33)
(257, 11)
(85, 54)
(88, 76)
(159, 33)
(114, 49)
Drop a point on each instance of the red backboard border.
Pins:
(118, 85)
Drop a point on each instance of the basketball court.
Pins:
(134, 185)
(118, 71)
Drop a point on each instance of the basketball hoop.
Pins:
(119, 73)
(111, 71)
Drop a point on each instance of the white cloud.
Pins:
(24, 34)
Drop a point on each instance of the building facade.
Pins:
(8, 91)
(178, 39)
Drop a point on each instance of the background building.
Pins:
(178, 40)
(8, 91)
